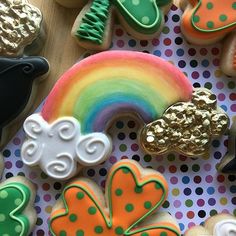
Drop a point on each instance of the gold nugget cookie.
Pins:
(186, 127)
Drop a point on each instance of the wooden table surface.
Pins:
(60, 48)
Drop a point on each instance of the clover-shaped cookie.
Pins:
(93, 27)
(132, 195)
(187, 127)
(17, 215)
(206, 22)
(218, 225)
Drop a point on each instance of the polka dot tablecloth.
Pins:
(196, 190)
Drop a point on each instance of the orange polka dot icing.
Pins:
(209, 19)
(130, 197)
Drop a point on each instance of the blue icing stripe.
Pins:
(131, 104)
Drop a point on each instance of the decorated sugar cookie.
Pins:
(186, 127)
(132, 196)
(206, 22)
(21, 28)
(93, 27)
(17, 214)
(228, 163)
(19, 79)
(83, 103)
(218, 225)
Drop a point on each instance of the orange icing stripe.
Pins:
(130, 198)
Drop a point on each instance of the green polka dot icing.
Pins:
(14, 197)
(80, 195)
(223, 12)
(129, 207)
(73, 217)
(98, 230)
(118, 192)
(92, 210)
(80, 233)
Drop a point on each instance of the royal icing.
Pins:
(17, 78)
(93, 23)
(225, 228)
(95, 91)
(186, 127)
(210, 19)
(130, 199)
(14, 198)
(145, 17)
(59, 148)
(20, 25)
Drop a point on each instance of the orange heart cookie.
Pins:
(132, 194)
(206, 22)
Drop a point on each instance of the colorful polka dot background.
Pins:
(197, 191)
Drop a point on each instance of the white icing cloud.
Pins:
(59, 148)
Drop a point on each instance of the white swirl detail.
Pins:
(93, 149)
(57, 147)
(33, 127)
(63, 166)
(65, 130)
(32, 152)
(225, 228)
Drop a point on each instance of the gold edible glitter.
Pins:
(186, 127)
(20, 24)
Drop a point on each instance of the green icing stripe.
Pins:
(94, 21)
(210, 24)
(103, 90)
(14, 197)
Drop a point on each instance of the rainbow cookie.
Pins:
(86, 99)
(93, 27)
(17, 214)
(92, 93)
(21, 28)
(206, 22)
(132, 196)
(218, 225)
